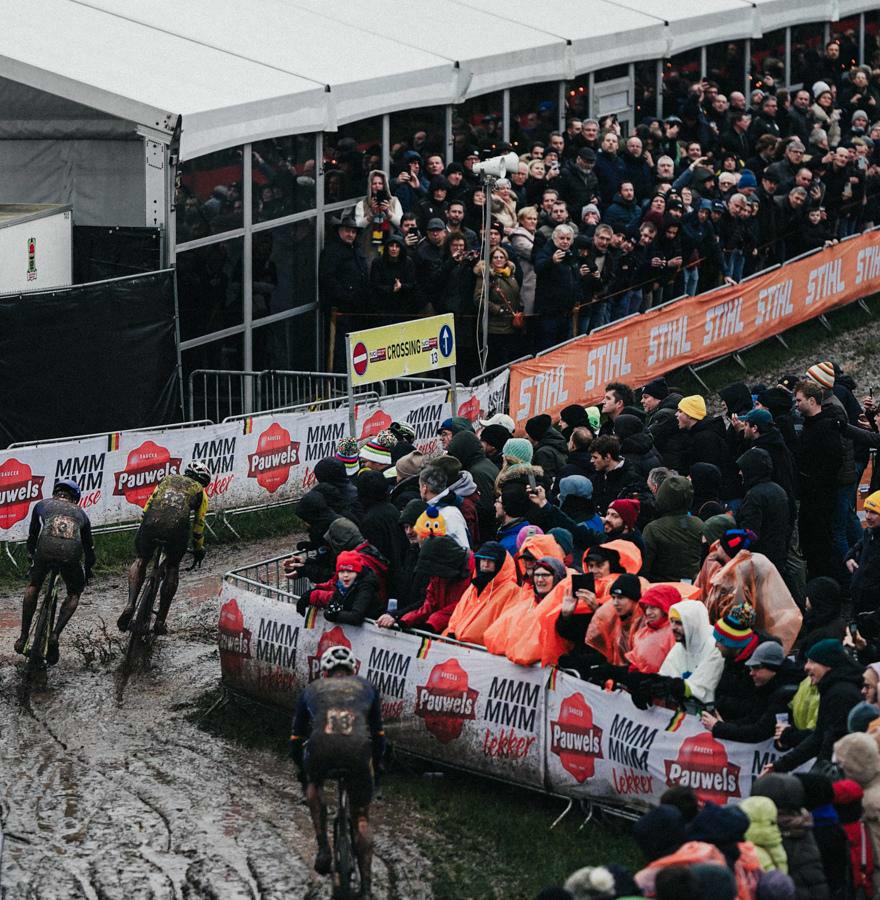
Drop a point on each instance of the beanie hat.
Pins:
(455, 423)
(347, 454)
(594, 417)
(411, 464)
(537, 426)
(375, 451)
(693, 406)
(495, 436)
(828, 652)
(820, 87)
(775, 885)
(627, 586)
(330, 470)
(823, 374)
(735, 629)
(515, 500)
(501, 419)
(658, 389)
(574, 415)
(575, 486)
(403, 431)
(519, 449)
(861, 716)
(590, 208)
(735, 539)
(847, 791)
(527, 532)
(663, 596)
(409, 515)
(872, 502)
(747, 179)
(430, 523)
(628, 510)
(564, 538)
(349, 561)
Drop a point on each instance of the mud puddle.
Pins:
(112, 792)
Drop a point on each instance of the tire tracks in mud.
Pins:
(106, 795)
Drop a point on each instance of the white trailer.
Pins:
(36, 247)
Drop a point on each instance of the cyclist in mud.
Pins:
(338, 727)
(60, 538)
(166, 520)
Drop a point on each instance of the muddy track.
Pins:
(108, 791)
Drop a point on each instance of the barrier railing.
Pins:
(218, 393)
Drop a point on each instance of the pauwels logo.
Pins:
(335, 637)
(273, 459)
(145, 467)
(702, 765)
(445, 701)
(377, 422)
(575, 739)
(234, 639)
(19, 488)
(32, 259)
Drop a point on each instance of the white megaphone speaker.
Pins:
(498, 166)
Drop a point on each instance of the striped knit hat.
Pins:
(823, 374)
(373, 451)
(736, 628)
(347, 454)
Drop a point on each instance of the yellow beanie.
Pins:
(872, 502)
(430, 523)
(693, 406)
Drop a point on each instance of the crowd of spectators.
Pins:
(729, 577)
(596, 225)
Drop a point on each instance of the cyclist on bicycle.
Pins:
(60, 535)
(337, 727)
(166, 521)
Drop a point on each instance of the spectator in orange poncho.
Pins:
(613, 624)
(653, 639)
(513, 620)
(493, 587)
(713, 528)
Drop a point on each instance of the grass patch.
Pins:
(115, 550)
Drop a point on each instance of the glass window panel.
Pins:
(209, 288)
(477, 123)
(609, 73)
(284, 268)
(807, 52)
(288, 344)
(423, 130)
(348, 155)
(208, 195)
(768, 59)
(533, 113)
(220, 396)
(577, 98)
(679, 73)
(846, 32)
(872, 38)
(283, 173)
(646, 89)
(726, 65)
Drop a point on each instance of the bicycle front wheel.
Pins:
(140, 621)
(40, 642)
(343, 848)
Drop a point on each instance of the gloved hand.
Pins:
(332, 611)
(303, 603)
(198, 555)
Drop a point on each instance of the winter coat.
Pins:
(859, 758)
(674, 540)
(824, 618)
(551, 453)
(672, 442)
(344, 279)
(610, 173)
(404, 491)
(766, 508)
(707, 502)
(839, 691)
(383, 272)
(467, 449)
(764, 833)
(640, 451)
(507, 534)
(523, 242)
(557, 285)
(697, 660)
(757, 722)
(361, 601)
(783, 462)
(504, 298)
(577, 187)
(622, 214)
(381, 527)
(820, 457)
(865, 584)
(708, 443)
(637, 171)
(622, 482)
(449, 568)
(796, 827)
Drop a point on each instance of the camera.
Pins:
(381, 197)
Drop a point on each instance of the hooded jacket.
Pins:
(551, 453)
(783, 463)
(449, 568)
(465, 446)
(706, 481)
(672, 442)
(824, 618)
(674, 540)
(478, 609)
(708, 443)
(610, 635)
(636, 444)
(384, 272)
(766, 508)
(696, 660)
(865, 583)
(764, 833)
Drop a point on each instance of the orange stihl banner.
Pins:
(696, 329)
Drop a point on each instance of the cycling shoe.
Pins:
(160, 628)
(19, 645)
(323, 860)
(123, 621)
(52, 654)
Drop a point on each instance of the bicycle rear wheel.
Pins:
(343, 847)
(40, 642)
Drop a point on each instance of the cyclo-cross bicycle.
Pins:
(344, 856)
(37, 645)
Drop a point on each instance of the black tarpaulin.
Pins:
(93, 358)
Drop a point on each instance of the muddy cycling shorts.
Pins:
(149, 537)
(358, 777)
(72, 574)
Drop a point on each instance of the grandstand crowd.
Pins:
(729, 577)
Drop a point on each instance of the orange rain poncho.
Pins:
(518, 611)
(608, 634)
(753, 578)
(545, 644)
(476, 611)
(650, 642)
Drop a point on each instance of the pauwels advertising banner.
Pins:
(465, 707)
(696, 329)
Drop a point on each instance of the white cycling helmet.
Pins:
(198, 471)
(337, 657)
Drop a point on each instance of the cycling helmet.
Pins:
(70, 486)
(198, 471)
(336, 657)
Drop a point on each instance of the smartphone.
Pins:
(583, 583)
(853, 628)
(532, 483)
(782, 718)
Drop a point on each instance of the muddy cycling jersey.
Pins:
(342, 719)
(60, 533)
(167, 512)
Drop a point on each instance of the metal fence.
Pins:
(267, 579)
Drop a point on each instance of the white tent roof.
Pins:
(232, 71)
